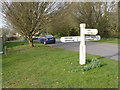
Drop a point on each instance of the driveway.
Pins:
(95, 48)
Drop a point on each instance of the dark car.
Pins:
(35, 37)
(47, 39)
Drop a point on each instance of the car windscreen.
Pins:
(35, 35)
(48, 36)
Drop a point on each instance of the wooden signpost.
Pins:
(82, 38)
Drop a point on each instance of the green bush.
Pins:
(11, 38)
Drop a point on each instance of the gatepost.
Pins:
(82, 45)
(1, 43)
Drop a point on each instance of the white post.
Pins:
(82, 45)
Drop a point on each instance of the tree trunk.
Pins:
(68, 33)
(31, 43)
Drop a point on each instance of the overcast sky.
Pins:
(0, 22)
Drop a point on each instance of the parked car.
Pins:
(47, 39)
(35, 37)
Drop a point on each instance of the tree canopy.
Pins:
(30, 17)
(27, 18)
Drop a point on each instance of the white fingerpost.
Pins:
(82, 48)
(82, 38)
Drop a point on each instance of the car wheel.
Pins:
(44, 43)
(54, 42)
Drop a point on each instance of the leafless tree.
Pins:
(64, 20)
(27, 18)
(100, 15)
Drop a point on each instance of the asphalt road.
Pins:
(95, 48)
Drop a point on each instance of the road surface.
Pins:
(95, 48)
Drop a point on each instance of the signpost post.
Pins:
(82, 38)
(82, 45)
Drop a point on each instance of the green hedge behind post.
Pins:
(11, 38)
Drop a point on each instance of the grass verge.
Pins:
(109, 40)
(47, 67)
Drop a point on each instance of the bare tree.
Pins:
(97, 15)
(100, 15)
(63, 21)
(29, 17)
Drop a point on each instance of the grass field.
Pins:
(109, 40)
(47, 67)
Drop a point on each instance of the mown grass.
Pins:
(47, 67)
(13, 44)
(109, 40)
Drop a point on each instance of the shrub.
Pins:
(90, 64)
(11, 38)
